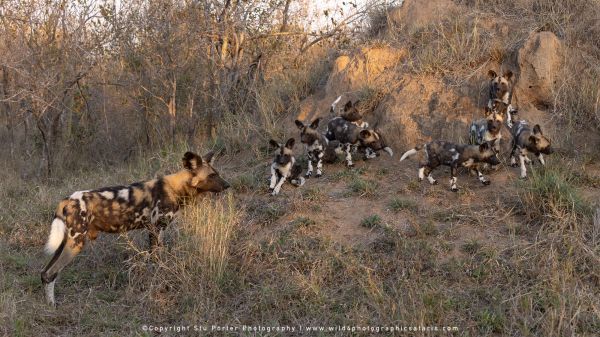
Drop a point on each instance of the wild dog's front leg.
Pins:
(310, 168)
(522, 162)
(273, 179)
(481, 177)
(453, 171)
(320, 164)
(278, 186)
(348, 150)
(541, 159)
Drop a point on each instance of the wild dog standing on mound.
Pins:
(150, 204)
(315, 143)
(284, 167)
(454, 155)
(526, 140)
(501, 89)
(351, 113)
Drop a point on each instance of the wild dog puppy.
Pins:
(501, 88)
(351, 113)
(488, 128)
(351, 137)
(150, 204)
(284, 167)
(315, 144)
(526, 140)
(454, 155)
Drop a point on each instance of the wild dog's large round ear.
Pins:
(191, 160)
(274, 143)
(492, 74)
(348, 106)
(508, 75)
(299, 124)
(290, 143)
(537, 129)
(209, 158)
(315, 123)
(364, 134)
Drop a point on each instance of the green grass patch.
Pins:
(372, 221)
(397, 204)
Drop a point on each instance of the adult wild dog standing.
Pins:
(315, 143)
(454, 155)
(526, 140)
(149, 204)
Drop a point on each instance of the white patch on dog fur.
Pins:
(57, 233)
(124, 194)
(108, 195)
(421, 173)
(430, 179)
(79, 196)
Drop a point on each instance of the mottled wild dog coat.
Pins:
(526, 140)
(490, 127)
(149, 204)
(315, 144)
(284, 167)
(501, 89)
(351, 136)
(351, 113)
(454, 155)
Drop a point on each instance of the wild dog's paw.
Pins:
(308, 174)
(514, 164)
(485, 182)
(318, 175)
(454, 189)
(435, 182)
(271, 189)
(523, 177)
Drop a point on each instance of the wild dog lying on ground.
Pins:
(150, 204)
(351, 113)
(526, 140)
(315, 143)
(350, 137)
(501, 89)
(454, 155)
(284, 167)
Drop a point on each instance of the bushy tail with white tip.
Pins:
(411, 152)
(57, 235)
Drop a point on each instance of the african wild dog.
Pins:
(526, 140)
(149, 204)
(501, 88)
(315, 144)
(351, 137)
(454, 155)
(284, 167)
(489, 128)
(351, 113)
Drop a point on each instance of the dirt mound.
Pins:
(540, 60)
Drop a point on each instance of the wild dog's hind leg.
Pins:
(66, 252)
(348, 150)
(541, 159)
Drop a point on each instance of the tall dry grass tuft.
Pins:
(191, 268)
(206, 234)
(550, 194)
